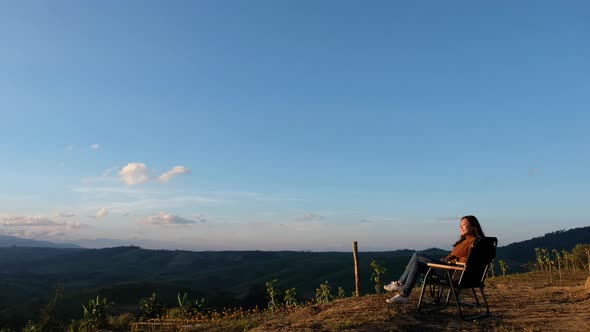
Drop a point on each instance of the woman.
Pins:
(470, 230)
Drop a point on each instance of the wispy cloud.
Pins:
(165, 218)
(107, 190)
(445, 220)
(102, 213)
(39, 222)
(378, 220)
(70, 147)
(107, 172)
(252, 196)
(65, 214)
(175, 171)
(199, 217)
(94, 146)
(134, 174)
(310, 216)
(164, 202)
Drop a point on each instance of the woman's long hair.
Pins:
(474, 223)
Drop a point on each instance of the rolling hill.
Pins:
(29, 275)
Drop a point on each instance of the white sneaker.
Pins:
(393, 286)
(398, 299)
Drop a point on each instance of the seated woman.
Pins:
(470, 230)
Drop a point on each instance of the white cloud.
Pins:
(94, 146)
(27, 221)
(102, 213)
(75, 225)
(175, 171)
(165, 218)
(65, 214)
(70, 147)
(134, 173)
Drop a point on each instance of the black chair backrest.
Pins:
(482, 252)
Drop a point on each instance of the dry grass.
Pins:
(523, 302)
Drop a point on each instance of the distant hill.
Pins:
(518, 253)
(11, 241)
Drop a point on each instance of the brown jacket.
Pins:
(461, 251)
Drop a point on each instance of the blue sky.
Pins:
(299, 125)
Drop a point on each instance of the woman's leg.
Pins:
(409, 267)
(416, 266)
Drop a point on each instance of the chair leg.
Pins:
(486, 314)
(475, 296)
(448, 298)
(423, 289)
(436, 293)
(485, 301)
(455, 295)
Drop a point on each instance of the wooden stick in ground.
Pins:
(357, 279)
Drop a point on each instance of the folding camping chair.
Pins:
(459, 276)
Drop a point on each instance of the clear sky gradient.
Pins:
(303, 125)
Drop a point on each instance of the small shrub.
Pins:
(341, 293)
(378, 270)
(48, 321)
(273, 294)
(556, 255)
(324, 293)
(151, 307)
(95, 313)
(290, 300)
(189, 307)
(581, 255)
(503, 267)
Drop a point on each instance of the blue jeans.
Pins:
(416, 266)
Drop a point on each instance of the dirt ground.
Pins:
(523, 302)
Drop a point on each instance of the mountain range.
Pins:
(11, 241)
(30, 271)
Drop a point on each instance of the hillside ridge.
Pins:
(518, 302)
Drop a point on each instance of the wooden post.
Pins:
(357, 280)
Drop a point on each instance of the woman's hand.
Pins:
(449, 259)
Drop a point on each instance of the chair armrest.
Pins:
(460, 263)
(447, 267)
